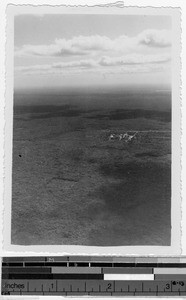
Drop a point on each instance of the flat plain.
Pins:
(72, 185)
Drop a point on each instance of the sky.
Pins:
(56, 51)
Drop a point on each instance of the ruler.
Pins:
(94, 276)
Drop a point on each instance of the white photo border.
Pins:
(175, 248)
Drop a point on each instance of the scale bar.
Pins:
(43, 276)
(78, 270)
(170, 271)
(128, 277)
(94, 276)
(127, 270)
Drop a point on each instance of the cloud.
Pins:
(77, 46)
(82, 64)
(131, 62)
(95, 44)
(48, 50)
(134, 59)
(133, 69)
(154, 38)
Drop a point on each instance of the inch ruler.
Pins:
(94, 276)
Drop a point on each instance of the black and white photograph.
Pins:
(92, 132)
